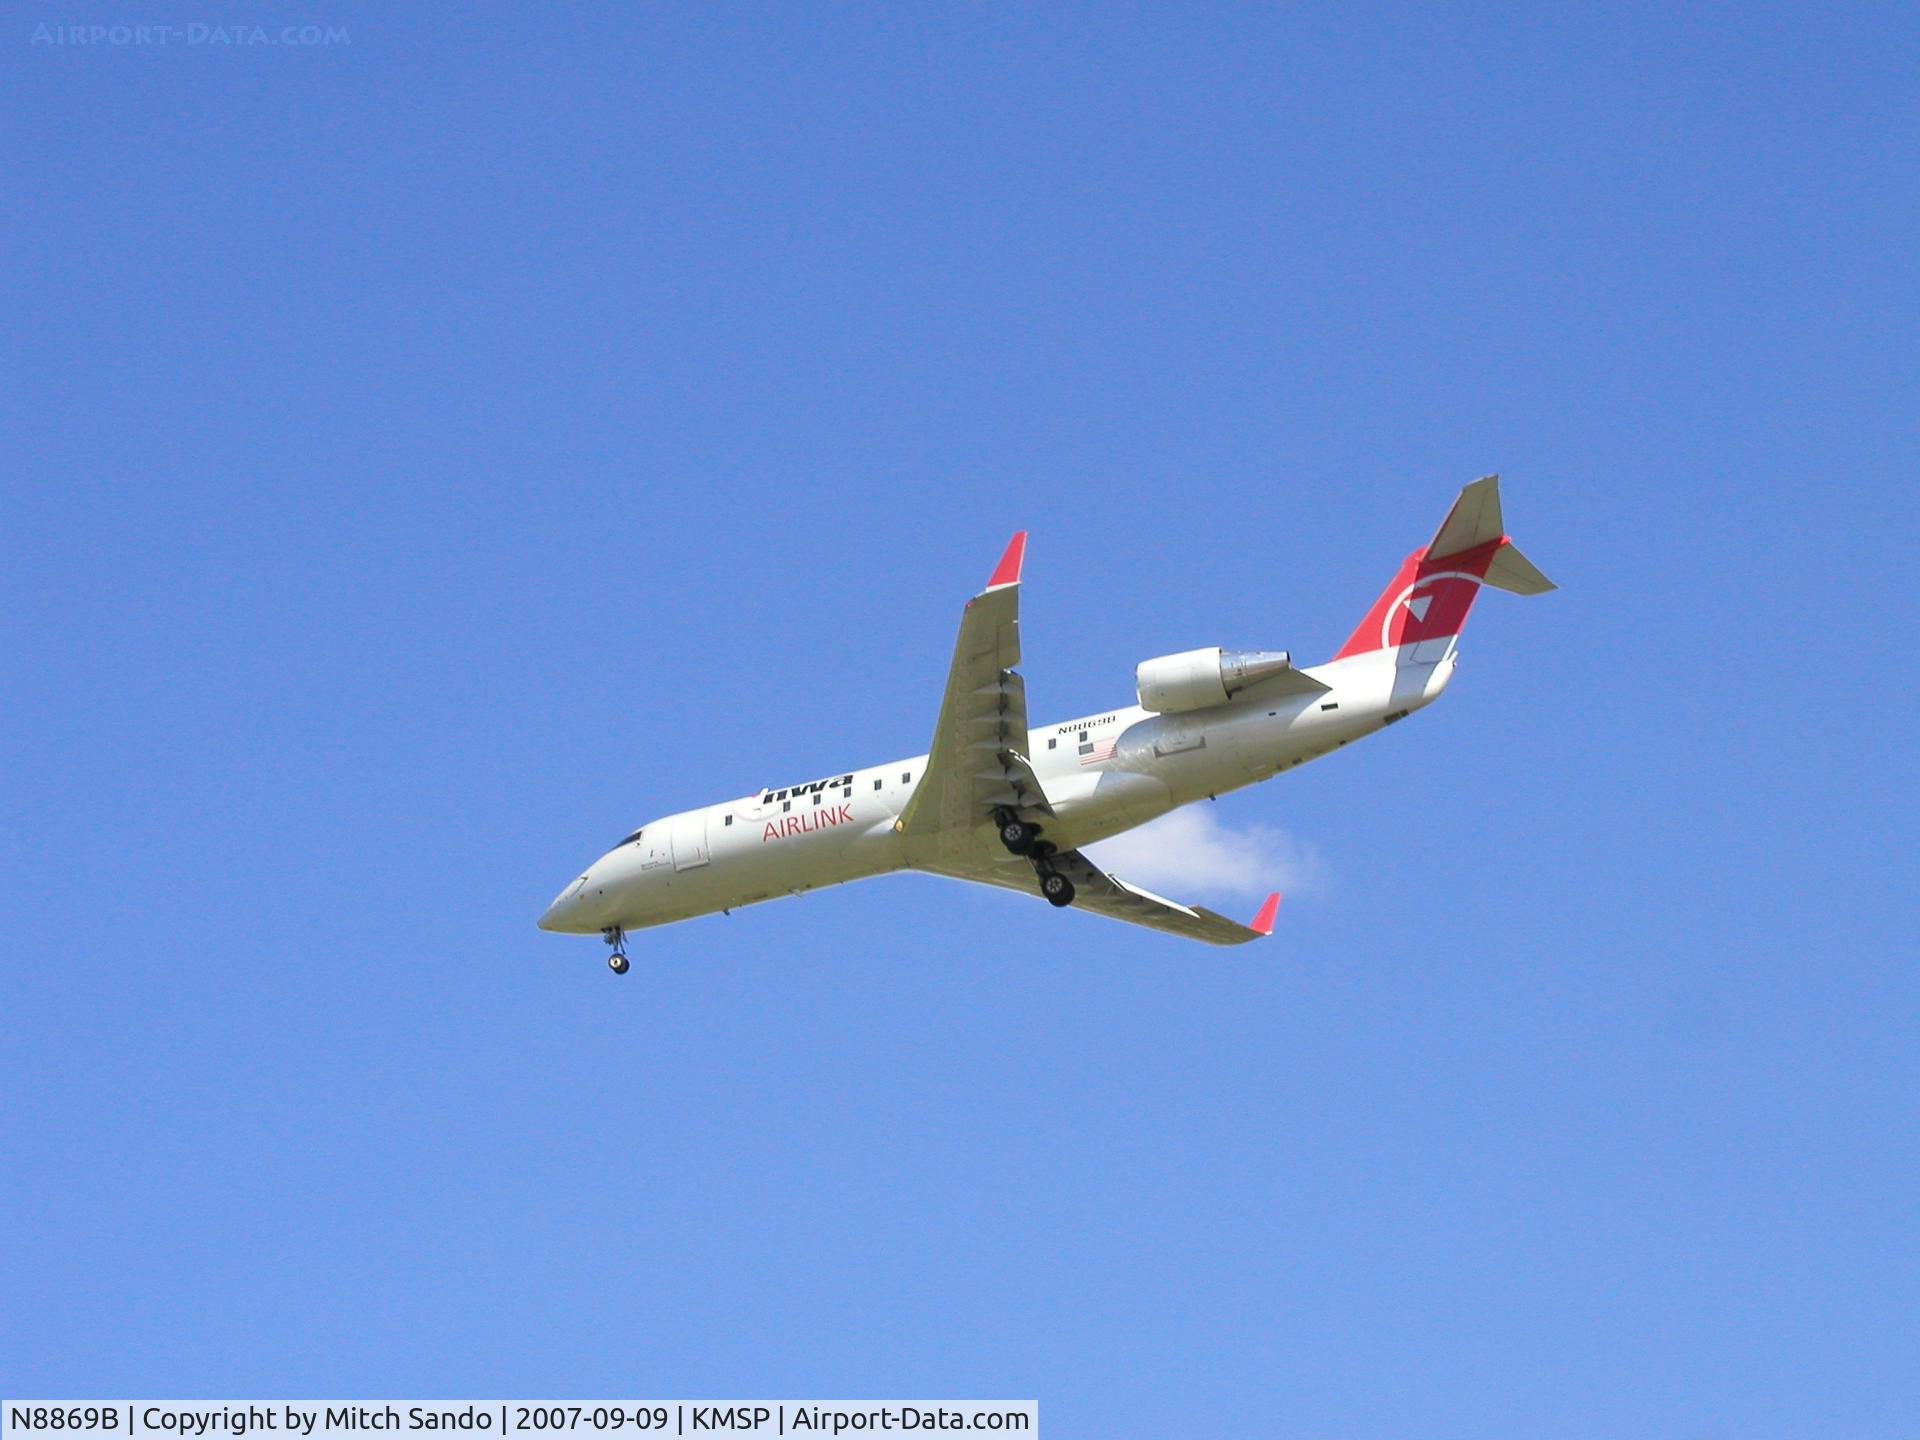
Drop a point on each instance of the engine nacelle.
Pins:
(1196, 679)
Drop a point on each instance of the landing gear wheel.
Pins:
(617, 938)
(1057, 888)
(1017, 835)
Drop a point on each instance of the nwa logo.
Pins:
(812, 787)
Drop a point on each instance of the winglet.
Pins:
(1263, 922)
(1007, 572)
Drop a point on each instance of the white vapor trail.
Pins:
(1190, 852)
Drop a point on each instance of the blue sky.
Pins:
(429, 456)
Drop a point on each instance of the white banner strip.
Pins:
(497, 1419)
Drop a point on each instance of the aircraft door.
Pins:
(690, 840)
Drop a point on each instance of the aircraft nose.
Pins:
(564, 914)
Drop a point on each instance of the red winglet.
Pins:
(1007, 572)
(1263, 922)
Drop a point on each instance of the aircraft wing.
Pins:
(978, 759)
(1104, 894)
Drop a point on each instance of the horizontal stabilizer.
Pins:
(1512, 571)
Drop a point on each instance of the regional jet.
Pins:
(1005, 803)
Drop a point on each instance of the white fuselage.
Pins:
(1135, 766)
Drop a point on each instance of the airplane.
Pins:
(1001, 802)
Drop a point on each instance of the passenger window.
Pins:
(906, 777)
(816, 797)
(1053, 742)
(727, 821)
(786, 805)
(876, 784)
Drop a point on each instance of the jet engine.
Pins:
(1196, 679)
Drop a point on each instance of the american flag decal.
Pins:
(1092, 752)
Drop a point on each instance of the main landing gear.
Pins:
(1022, 838)
(617, 938)
(1016, 834)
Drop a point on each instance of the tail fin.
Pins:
(1419, 614)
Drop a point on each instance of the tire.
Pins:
(1057, 888)
(618, 964)
(1017, 836)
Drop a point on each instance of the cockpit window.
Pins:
(633, 837)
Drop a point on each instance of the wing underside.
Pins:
(977, 770)
(977, 763)
(1103, 894)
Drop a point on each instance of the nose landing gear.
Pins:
(617, 938)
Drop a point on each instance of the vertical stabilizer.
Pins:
(1420, 613)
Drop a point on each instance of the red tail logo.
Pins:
(1427, 600)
